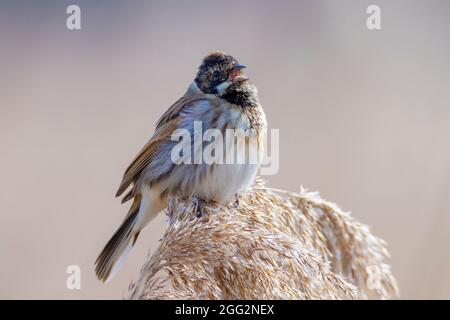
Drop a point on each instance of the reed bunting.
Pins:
(222, 98)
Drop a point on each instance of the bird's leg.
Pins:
(236, 202)
(199, 207)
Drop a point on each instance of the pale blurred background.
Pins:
(364, 117)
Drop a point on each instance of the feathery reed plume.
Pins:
(272, 245)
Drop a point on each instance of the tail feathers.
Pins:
(116, 250)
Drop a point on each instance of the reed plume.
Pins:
(270, 244)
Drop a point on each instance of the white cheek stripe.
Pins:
(221, 88)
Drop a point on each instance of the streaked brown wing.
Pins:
(173, 111)
(164, 128)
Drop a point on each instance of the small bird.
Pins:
(222, 98)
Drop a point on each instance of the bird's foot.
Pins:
(199, 207)
(236, 201)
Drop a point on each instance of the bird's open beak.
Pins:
(237, 75)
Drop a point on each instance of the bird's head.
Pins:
(218, 73)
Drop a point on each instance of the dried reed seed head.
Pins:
(274, 245)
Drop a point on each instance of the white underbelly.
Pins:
(224, 181)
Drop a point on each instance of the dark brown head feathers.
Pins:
(214, 70)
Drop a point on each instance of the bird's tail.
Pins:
(116, 250)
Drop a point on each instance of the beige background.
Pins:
(364, 118)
